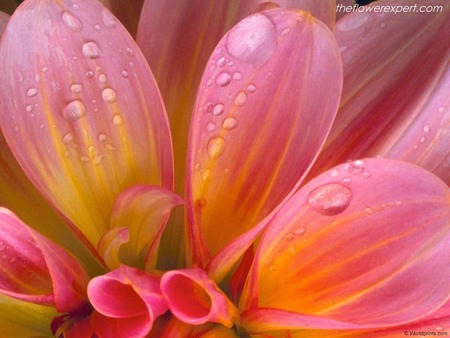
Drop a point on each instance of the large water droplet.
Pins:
(240, 99)
(117, 120)
(74, 111)
(218, 109)
(330, 199)
(230, 123)
(216, 147)
(71, 21)
(223, 79)
(32, 92)
(91, 50)
(109, 95)
(76, 88)
(355, 167)
(253, 40)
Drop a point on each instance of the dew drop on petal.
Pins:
(108, 19)
(426, 129)
(210, 127)
(74, 111)
(109, 95)
(299, 231)
(240, 99)
(102, 137)
(218, 109)
(223, 79)
(71, 21)
(251, 88)
(216, 147)
(89, 75)
(102, 79)
(91, 50)
(355, 167)
(125, 74)
(76, 88)
(117, 120)
(67, 138)
(32, 92)
(28, 109)
(230, 123)
(330, 199)
(237, 76)
(253, 40)
(221, 62)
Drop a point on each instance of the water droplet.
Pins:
(125, 74)
(355, 167)
(223, 79)
(356, 22)
(129, 52)
(102, 79)
(108, 19)
(240, 99)
(75, 6)
(299, 231)
(109, 95)
(76, 88)
(422, 139)
(67, 153)
(208, 107)
(85, 159)
(330, 199)
(102, 137)
(289, 237)
(97, 27)
(366, 174)
(253, 40)
(210, 127)
(441, 109)
(216, 147)
(230, 123)
(74, 111)
(426, 129)
(117, 120)
(91, 50)
(285, 31)
(89, 75)
(206, 174)
(368, 211)
(221, 62)
(32, 92)
(251, 88)
(383, 25)
(97, 159)
(334, 173)
(71, 21)
(67, 138)
(237, 76)
(218, 109)
(28, 109)
(209, 83)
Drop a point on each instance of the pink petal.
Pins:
(364, 243)
(86, 121)
(195, 299)
(37, 270)
(395, 100)
(127, 300)
(260, 80)
(143, 210)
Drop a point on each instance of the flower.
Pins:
(300, 218)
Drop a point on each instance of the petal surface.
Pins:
(257, 123)
(395, 100)
(37, 270)
(195, 299)
(143, 210)
(365, 243)
(86, 120)
(127, 300)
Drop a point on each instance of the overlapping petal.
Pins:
(127, 301)
(363, 244)
(195, 299)
(258, 123)
(74, 79)
(138, 220)
(395, 100)
(37, 270)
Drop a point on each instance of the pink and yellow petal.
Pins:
(24, 319)
(348, 242)
(127, 300)
(195, 299)
(143, 210)
(396, 77)
(86, 120)
(258, 123)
